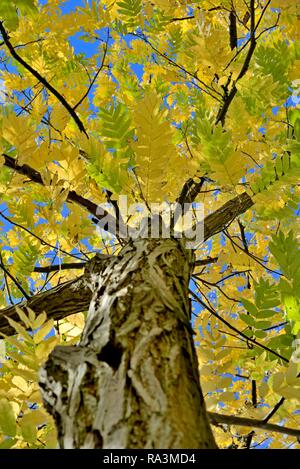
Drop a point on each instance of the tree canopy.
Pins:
(161, 101)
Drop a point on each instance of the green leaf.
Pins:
(8, 14)
(247, 319)
(130, 11)
(8, 424)
(130, 8)
(250, 307)
(26, 7)
(29, 431)
(292, 307)
(266, 313)
(115, 126)
(263, 324)
(7, 443)
(260, 334)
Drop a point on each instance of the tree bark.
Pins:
(133, 381)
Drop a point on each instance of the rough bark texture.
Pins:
(133, 381)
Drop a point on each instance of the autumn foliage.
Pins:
(161, 101)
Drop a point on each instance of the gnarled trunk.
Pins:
(133, 381)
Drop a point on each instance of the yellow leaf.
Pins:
(44, 348)
(23, 141)
(23, 317)
(291, 374)
(39, 321)
(263, 389)
(19, 329)
(59, 117)
(227, 396)
(20, 383)
(45, 330)
(29, 430)
(278, 380)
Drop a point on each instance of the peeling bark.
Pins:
(133, 381)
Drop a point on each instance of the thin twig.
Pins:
(37, 75)
(18, 285)
(253, 256)
(249, 339)
(42, 241)
(96, 74)
(248, 422)
(6, 282)
(180, 67)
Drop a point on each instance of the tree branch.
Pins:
(36, 74)
(73, 296)
(215, 419)
(57, 267)
(232, 29)
(90, 206)
(274, 410)
(228, 98)
(208, 260)
(218, 220)
(6, 282)
(61, 301)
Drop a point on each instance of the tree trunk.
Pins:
(133, 381)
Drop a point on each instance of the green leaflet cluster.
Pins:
(261, 317)
(130, 11)
(286, 250)
(9, 11)
(286, 167)
(115, 127)
(109, 160)
(175, 40)
(24, 260)
(282, 167)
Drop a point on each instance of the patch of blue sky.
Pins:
(6, 226)
(67, 6)
(292, 101)
(138, 70)
(241, 41)
(128, 38)
(88, 49)
(65, 211)
(263, 445)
